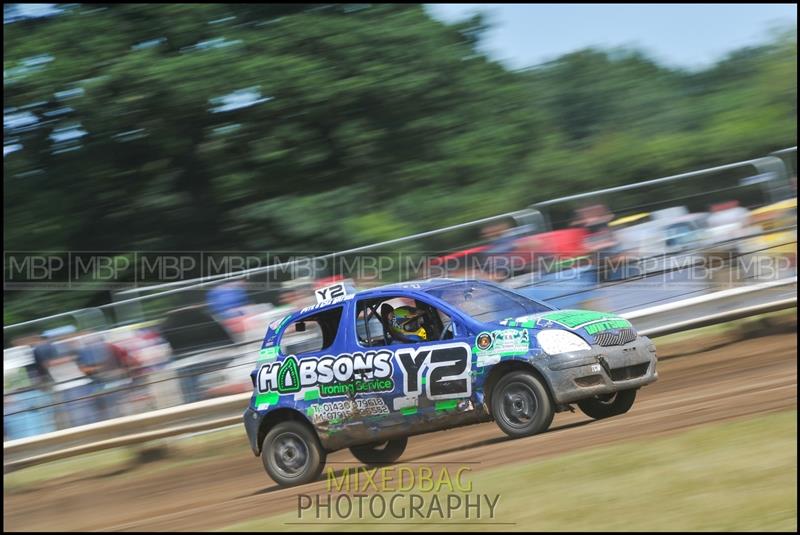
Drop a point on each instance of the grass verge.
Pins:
(135, 461)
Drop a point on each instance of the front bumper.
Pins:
(603, 370)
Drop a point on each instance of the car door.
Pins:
(430, 377)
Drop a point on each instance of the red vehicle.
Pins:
(514, 252)
(531, 246)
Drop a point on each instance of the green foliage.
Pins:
(355, 123)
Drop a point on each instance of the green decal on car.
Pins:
(283, 321)
(576, 318)
(491, 347)
(595, 328)
(289, 377)
(448, 405)
(357, 386)
(268, 354)
(527, 324)
(270, 398)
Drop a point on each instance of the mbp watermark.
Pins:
(265, 270)
(399, 493)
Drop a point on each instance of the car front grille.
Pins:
(629, 372)
(615, 338)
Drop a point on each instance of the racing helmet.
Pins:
(406, 321)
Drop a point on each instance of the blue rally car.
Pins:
(365, 370)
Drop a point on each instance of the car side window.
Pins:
(311, 333)
(449, 327)
(373, 316)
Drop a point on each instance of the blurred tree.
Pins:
(257, 126)
(210, 121)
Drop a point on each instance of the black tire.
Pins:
(292, 455)
(380, 452)
(521, 405)
(605, 406)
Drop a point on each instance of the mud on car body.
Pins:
(334, 375)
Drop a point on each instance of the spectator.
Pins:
(595, 219)
(97, 360)
(43, 352)
(66, 381)
(297, 293)
(141, 352)
(227, 299)
(26, 400)
(605, 249)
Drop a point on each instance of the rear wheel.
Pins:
(607, 405)
(520, 405)
(380, 452)
(292, 454)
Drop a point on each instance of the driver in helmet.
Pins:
(406, 323)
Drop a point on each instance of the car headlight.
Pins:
(555, 341)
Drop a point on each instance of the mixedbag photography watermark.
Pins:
(398, 493)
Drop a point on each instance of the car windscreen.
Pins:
(487, 303)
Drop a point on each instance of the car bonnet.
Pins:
(584, 323)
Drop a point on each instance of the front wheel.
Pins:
(380, 452)
(607, 405)
(520, 405)
(292, 454)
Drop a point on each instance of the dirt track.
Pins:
(718, 380)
